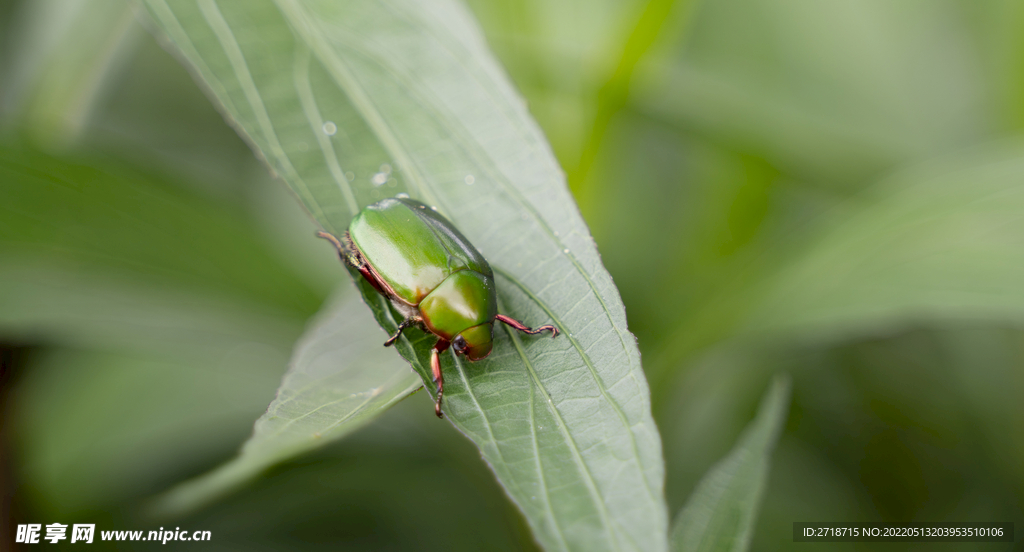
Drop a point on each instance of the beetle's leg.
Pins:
(523, 328)
(435, 369)
(405, 324)
(350, 255)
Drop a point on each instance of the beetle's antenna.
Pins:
(333, 239)
(345, 252)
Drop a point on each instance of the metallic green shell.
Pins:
(463, 300)
(412, 248)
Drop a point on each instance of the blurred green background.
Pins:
(828, 188)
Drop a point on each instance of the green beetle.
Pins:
(431, 273)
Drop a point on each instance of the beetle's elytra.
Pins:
(432, 275)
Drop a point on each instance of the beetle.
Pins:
(431, 274)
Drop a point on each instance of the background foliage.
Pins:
(831, 189)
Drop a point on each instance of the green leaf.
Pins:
(940, 241)
(720, 514)
(159, 326)
(98, 255)
(933, 242)
(339, 378)
(94, 428)
(350, 103)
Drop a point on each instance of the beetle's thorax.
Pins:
(464, 299)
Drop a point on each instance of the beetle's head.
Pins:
(474, 342)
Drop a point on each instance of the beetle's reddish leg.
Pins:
(523, 328)
(435, 369)
(405, 324)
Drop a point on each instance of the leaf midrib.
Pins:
(356, 94)
(304, 88)
(596, 496)
(501, 456)
(226, 37)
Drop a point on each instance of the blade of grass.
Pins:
(936, 241)
(720, 514)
